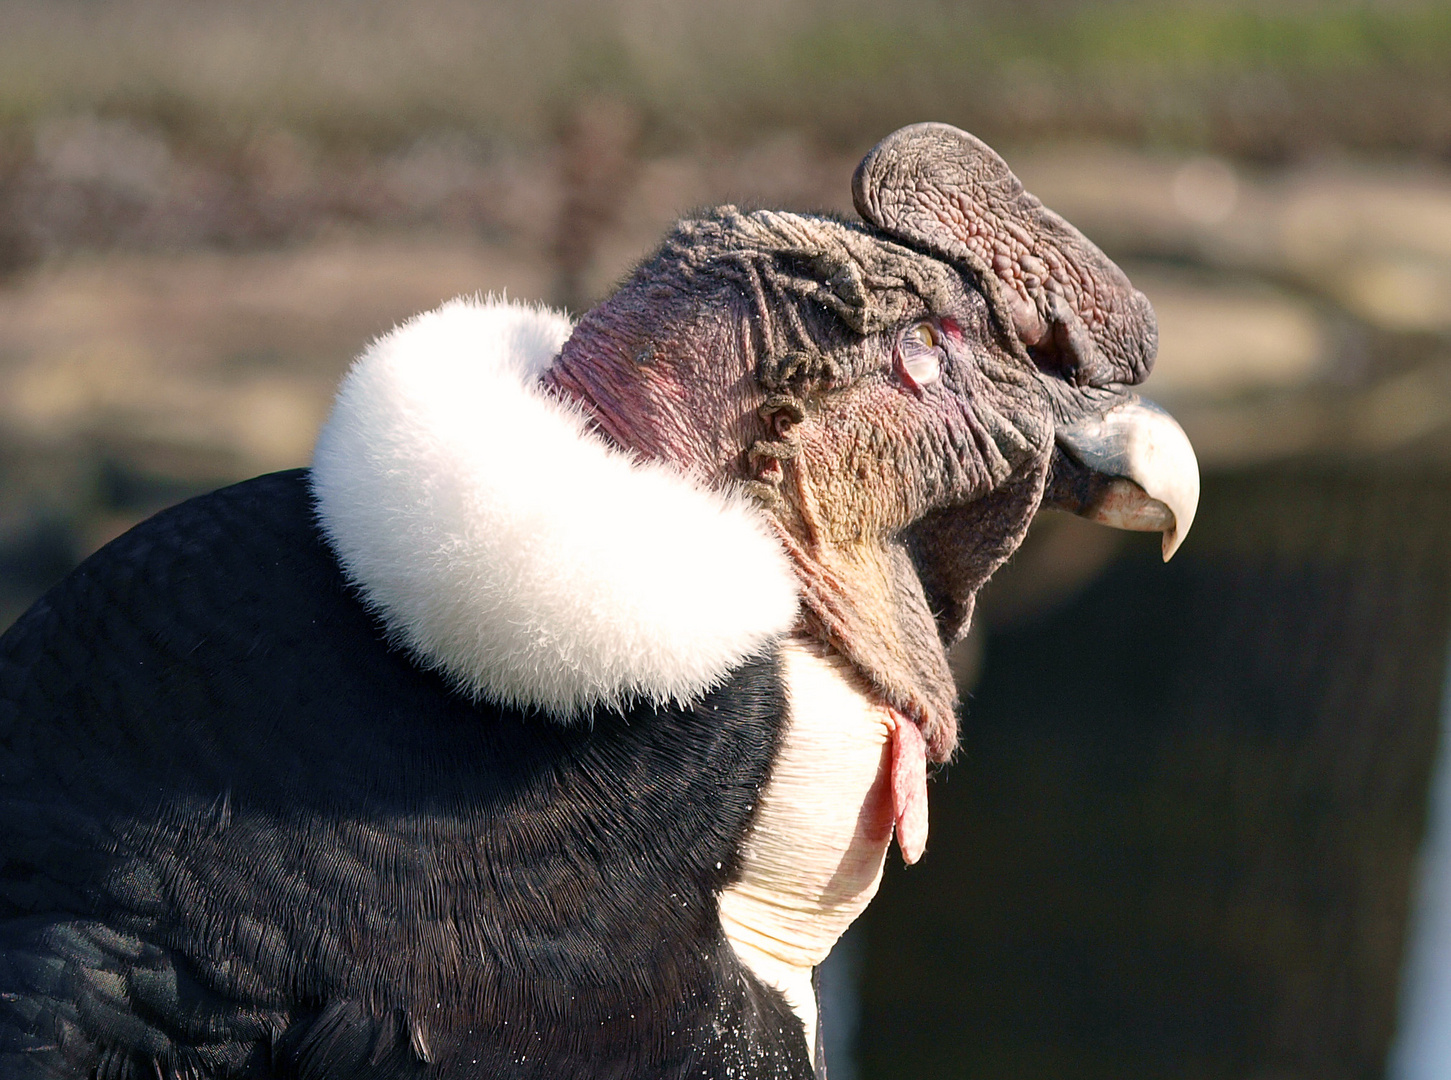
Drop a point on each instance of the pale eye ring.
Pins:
(919, 355)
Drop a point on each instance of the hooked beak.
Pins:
(1130, 468)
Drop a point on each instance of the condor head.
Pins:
(902, 394)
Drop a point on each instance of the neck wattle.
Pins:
(865, 602)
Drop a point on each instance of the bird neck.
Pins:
(660, 401)
(813, 859)
(865, 601)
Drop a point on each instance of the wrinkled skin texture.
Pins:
(768, 349)
(1071, 308)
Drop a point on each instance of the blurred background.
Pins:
(1190, 831)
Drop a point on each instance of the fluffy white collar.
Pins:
(504, 544)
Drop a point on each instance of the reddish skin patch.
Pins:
(909, 787)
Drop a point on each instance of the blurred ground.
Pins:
(206, 209)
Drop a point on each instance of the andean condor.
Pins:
(556, 722)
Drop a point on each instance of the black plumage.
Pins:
(197, 882)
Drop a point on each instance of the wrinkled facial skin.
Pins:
(878, 463)
(878, 455)
(776, 352)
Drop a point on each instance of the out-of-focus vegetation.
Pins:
(1248, 76)
(172, 124)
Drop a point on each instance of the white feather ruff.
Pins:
(504, 544)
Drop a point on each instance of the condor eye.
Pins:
(919, 355)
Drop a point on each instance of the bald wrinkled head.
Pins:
(890, 390)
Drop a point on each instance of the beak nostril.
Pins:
(1052, 361)
(1067, 350)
